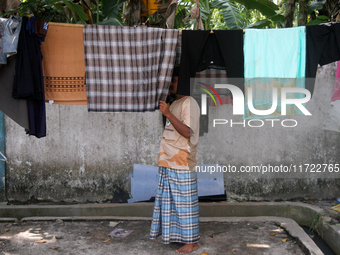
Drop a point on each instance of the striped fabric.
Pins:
(128, 69)
(176, 215)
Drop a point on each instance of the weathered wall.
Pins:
(87, 157)
(307, 143)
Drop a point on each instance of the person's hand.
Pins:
(164, 108)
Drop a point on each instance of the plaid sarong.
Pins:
(176, 215)
(128, 69)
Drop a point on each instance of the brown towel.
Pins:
(64, 64)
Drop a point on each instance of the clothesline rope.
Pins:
(211, 31)
(4, 157)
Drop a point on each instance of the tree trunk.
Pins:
(302, 12)
(290, 13)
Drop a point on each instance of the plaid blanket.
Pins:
(128, 69)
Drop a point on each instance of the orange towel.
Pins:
(64, 64)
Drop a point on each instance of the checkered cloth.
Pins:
(176, 215)
(128, 69)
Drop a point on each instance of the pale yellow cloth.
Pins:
(336, 208)
(176, 151)
(64, 64)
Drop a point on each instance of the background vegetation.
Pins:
(216, 14)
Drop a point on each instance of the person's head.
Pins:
(174, 81)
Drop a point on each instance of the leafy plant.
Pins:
(43, 9)
(111, 13)
(49, 10)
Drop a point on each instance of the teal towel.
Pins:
(273, 58)
(275, 53)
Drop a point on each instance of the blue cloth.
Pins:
(274, 58)
(11, 35)
(176, 211)
(275, 53)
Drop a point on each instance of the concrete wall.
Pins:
(87, 157)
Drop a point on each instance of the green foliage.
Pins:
(237, 14)
(315, 5)
(110, 8)
(77, 9)
(47, 10)
(260, 24)
(180, 15)
(266, 7)
(320, 19)
(110, 13)
(316, 222)
(231, 15)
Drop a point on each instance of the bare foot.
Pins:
(187, 248)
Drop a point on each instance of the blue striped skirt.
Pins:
(176, 212)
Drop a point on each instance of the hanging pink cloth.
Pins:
(336, 93)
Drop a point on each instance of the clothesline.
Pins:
(81, 25)
(211, 31)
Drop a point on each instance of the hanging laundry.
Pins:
(210, 76)
(27, 82)
(16, 109)
(202, 49)
(40, 28)
(3, 56)
(64, 64)
(28, 79)
(11, 35)
(336, 93)
(274, 58)
(128, 69)
(323, 47)
(213, 76)
(178, 50)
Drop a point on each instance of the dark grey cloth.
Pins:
(16, 109)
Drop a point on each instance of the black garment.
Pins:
(202, 49)
(322, 47)
(28, 79)
(27, 83)
(37, 111)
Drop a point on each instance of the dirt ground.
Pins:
(91, 237)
